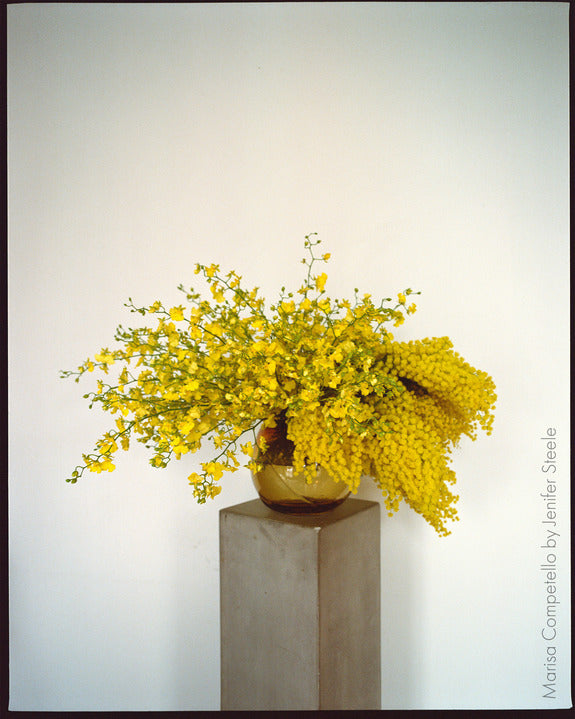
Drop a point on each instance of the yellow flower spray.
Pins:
(356, 401)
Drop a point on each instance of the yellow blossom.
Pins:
(320, 281)
(105, 358)
(217, 293)
(177, 313)
(211, 270)
(248, 449)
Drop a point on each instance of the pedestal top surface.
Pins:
(258, 510)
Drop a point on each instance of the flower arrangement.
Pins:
(355, 401)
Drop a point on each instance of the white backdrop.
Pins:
(427, 144)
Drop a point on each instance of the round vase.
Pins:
(280, 488)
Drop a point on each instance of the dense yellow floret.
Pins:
(407, 450)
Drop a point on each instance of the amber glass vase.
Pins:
(280, 488)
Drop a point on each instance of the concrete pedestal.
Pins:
(300, 608)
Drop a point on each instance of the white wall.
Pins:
(427, 144)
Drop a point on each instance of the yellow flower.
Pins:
(177, 313)
(214, 469)
(289, 385)
(105, 357)
(211, 270)
(248, 449)
(180, 449)
(217, 293)
(320, 281)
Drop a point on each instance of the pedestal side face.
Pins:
(349, 591)
(300, 608)
(269, 614)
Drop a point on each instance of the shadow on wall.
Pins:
(401, 592)
(194, 629)
(193, 626)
